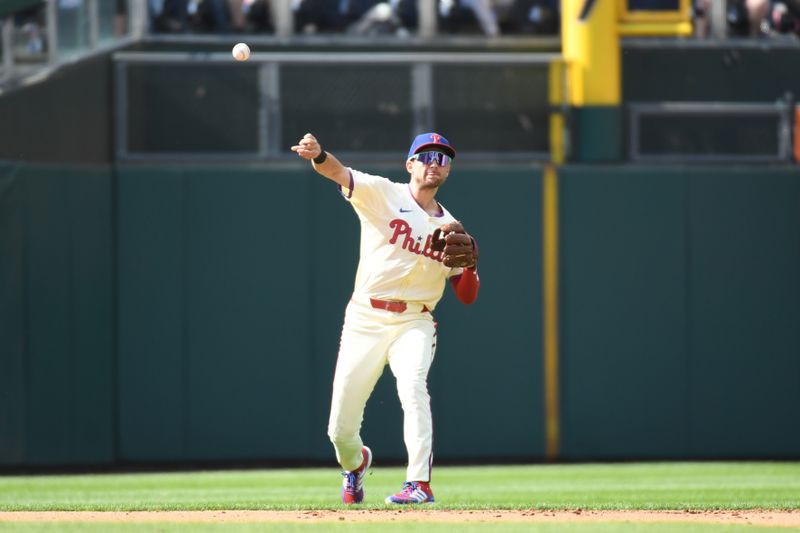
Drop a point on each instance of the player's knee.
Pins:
(333, 435)
(338, 437)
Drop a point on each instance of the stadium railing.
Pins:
(206, 107)
(739, 132)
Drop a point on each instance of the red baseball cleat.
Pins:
(413, 492)
(353, 483)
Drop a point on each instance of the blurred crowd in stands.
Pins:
(455, 17)
(29, 37)
(358, 17)
(751, 18)
(744, 18)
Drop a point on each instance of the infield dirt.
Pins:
(753, 517)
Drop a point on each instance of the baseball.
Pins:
(241, 52)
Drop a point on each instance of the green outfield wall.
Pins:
(177, 313)
(232, 286)
(680, 311)
(57, 357)
(190, 314)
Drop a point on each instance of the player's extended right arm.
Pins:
(309, 148)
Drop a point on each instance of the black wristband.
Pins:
(323, 155)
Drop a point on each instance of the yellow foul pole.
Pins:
(590, 43)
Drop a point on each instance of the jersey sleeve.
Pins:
(466, 285)
(366, 192)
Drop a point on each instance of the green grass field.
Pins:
(646, 486)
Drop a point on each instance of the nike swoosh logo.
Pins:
(405, 210)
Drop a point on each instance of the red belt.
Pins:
(393, 306)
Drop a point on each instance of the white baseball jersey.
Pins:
(396, 261)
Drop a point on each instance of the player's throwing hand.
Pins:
(308, 147)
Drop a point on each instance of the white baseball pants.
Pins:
(371, 339)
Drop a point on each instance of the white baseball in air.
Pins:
(241, 52)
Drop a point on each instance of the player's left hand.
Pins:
(457, 246)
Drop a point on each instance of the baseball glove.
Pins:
(457, 247)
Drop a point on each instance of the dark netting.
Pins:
(709, 135)
(493, 108)
(195, 108)
(653, 5)
(354, 109)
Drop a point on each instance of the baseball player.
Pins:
(410, 246)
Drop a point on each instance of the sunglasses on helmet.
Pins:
(426, 158)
